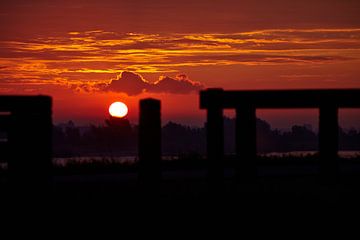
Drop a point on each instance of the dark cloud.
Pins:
(134, 84)
(129, 83)
(181, 85)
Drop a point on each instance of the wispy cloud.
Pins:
(92, 57)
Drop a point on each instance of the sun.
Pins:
(118, 109)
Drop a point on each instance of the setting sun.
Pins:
(118, 109)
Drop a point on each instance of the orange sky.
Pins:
(72, 50)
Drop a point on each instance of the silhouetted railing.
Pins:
(246, 102)
(149, 141)
(28, 126)
(27, 122)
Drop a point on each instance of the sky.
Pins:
(87, 54)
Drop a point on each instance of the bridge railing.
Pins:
(246, 102)
(28, 124)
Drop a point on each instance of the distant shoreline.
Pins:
(132, 159)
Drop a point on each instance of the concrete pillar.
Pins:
(149, 141)
(30, 148)
(328, 139)
(215, 136)
(30, 140)
(246, 141)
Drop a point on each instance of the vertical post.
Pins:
(30, 142)
(4, 146)
(246, 141)
(215, 136)
(149, 141)
(328, 139)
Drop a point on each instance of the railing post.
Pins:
(246, 141)
(149, 141)
(30, 146)
(328, 139)
(215, 136)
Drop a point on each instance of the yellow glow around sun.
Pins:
(118, 109)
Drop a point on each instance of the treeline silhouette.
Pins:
(70, 140)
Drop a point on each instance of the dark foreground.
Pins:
(293, 187)
(290, 189)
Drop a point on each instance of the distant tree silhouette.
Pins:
(349, 140)
(121, 139)
(72, 133)
(113, 138)
(179, 139)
